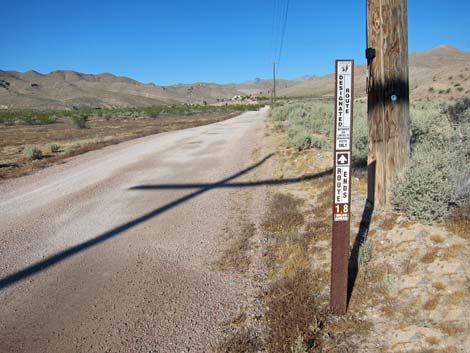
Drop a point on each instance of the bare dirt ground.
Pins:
(118, 249)
(72, 141)
(409, 282)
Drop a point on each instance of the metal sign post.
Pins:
(344, 98)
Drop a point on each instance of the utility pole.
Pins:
(388, 97)
(274, 84)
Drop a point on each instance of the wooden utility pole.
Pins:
(274, 84)
(388, 96)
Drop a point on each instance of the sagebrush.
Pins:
(32, 152)
(309, 123)
(436, 180)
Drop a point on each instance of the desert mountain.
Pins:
(439, 73)
(65, 89)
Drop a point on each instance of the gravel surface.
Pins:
(113, 250)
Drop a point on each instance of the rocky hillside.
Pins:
(66, 89)
(440, 73)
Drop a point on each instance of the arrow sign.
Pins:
(342, 158)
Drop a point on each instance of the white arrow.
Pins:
(342, 159)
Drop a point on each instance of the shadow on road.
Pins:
(202, 188)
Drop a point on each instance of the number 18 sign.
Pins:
(344, 99)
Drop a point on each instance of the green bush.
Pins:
(44, 119)
(458, 113)
(437, 178)
(299, 138)
(80, 120)
(311, 123)
(32, 152)
(360, 136)
(53, 147)
(424, 190)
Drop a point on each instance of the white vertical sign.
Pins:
(344, 71)
(343, 136)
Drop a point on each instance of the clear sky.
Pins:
(220, 41)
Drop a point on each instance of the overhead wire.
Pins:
(278, 29)
(283, 31)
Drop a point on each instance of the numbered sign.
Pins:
(344, 99)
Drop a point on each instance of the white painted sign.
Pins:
(343, 134)
(342, 168)
(344, 98)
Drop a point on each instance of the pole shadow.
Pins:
(361, 237)
(40, 266)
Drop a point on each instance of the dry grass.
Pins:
(439, 285)
(297, 300)
(243, 341)
(292, 309)
(436, 238)
(431, 304)
(450, 329)
(429, 257)
(100, 133)
(451, 252)
(236, 256)
(283, 214)
(432, 340)
(459, 223)
(455, 298)
(389, 222)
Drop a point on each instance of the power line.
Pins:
(278, 28)
(284, 26)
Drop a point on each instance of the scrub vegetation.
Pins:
(309, 124)
(56, 135)
(81, 115)
(436, 183)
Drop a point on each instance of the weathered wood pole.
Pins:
(388, 97)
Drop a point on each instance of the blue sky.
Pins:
(174, 41)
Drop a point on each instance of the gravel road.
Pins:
(114, 250)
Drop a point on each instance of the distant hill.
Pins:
(66, 89)
(440, 73)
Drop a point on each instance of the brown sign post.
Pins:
(344, 98)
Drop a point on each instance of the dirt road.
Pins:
(113, 251)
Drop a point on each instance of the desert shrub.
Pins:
(280, 114)
(365, 252)
(459, 180)
(459, 112)
(308, 124)
(299, 138)
(437, 179)
(80, 120)
(53, 147)
(311, 123)
(428, 124)
(360, 136)
(424, 190)
(43, 119)
(32, 152)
